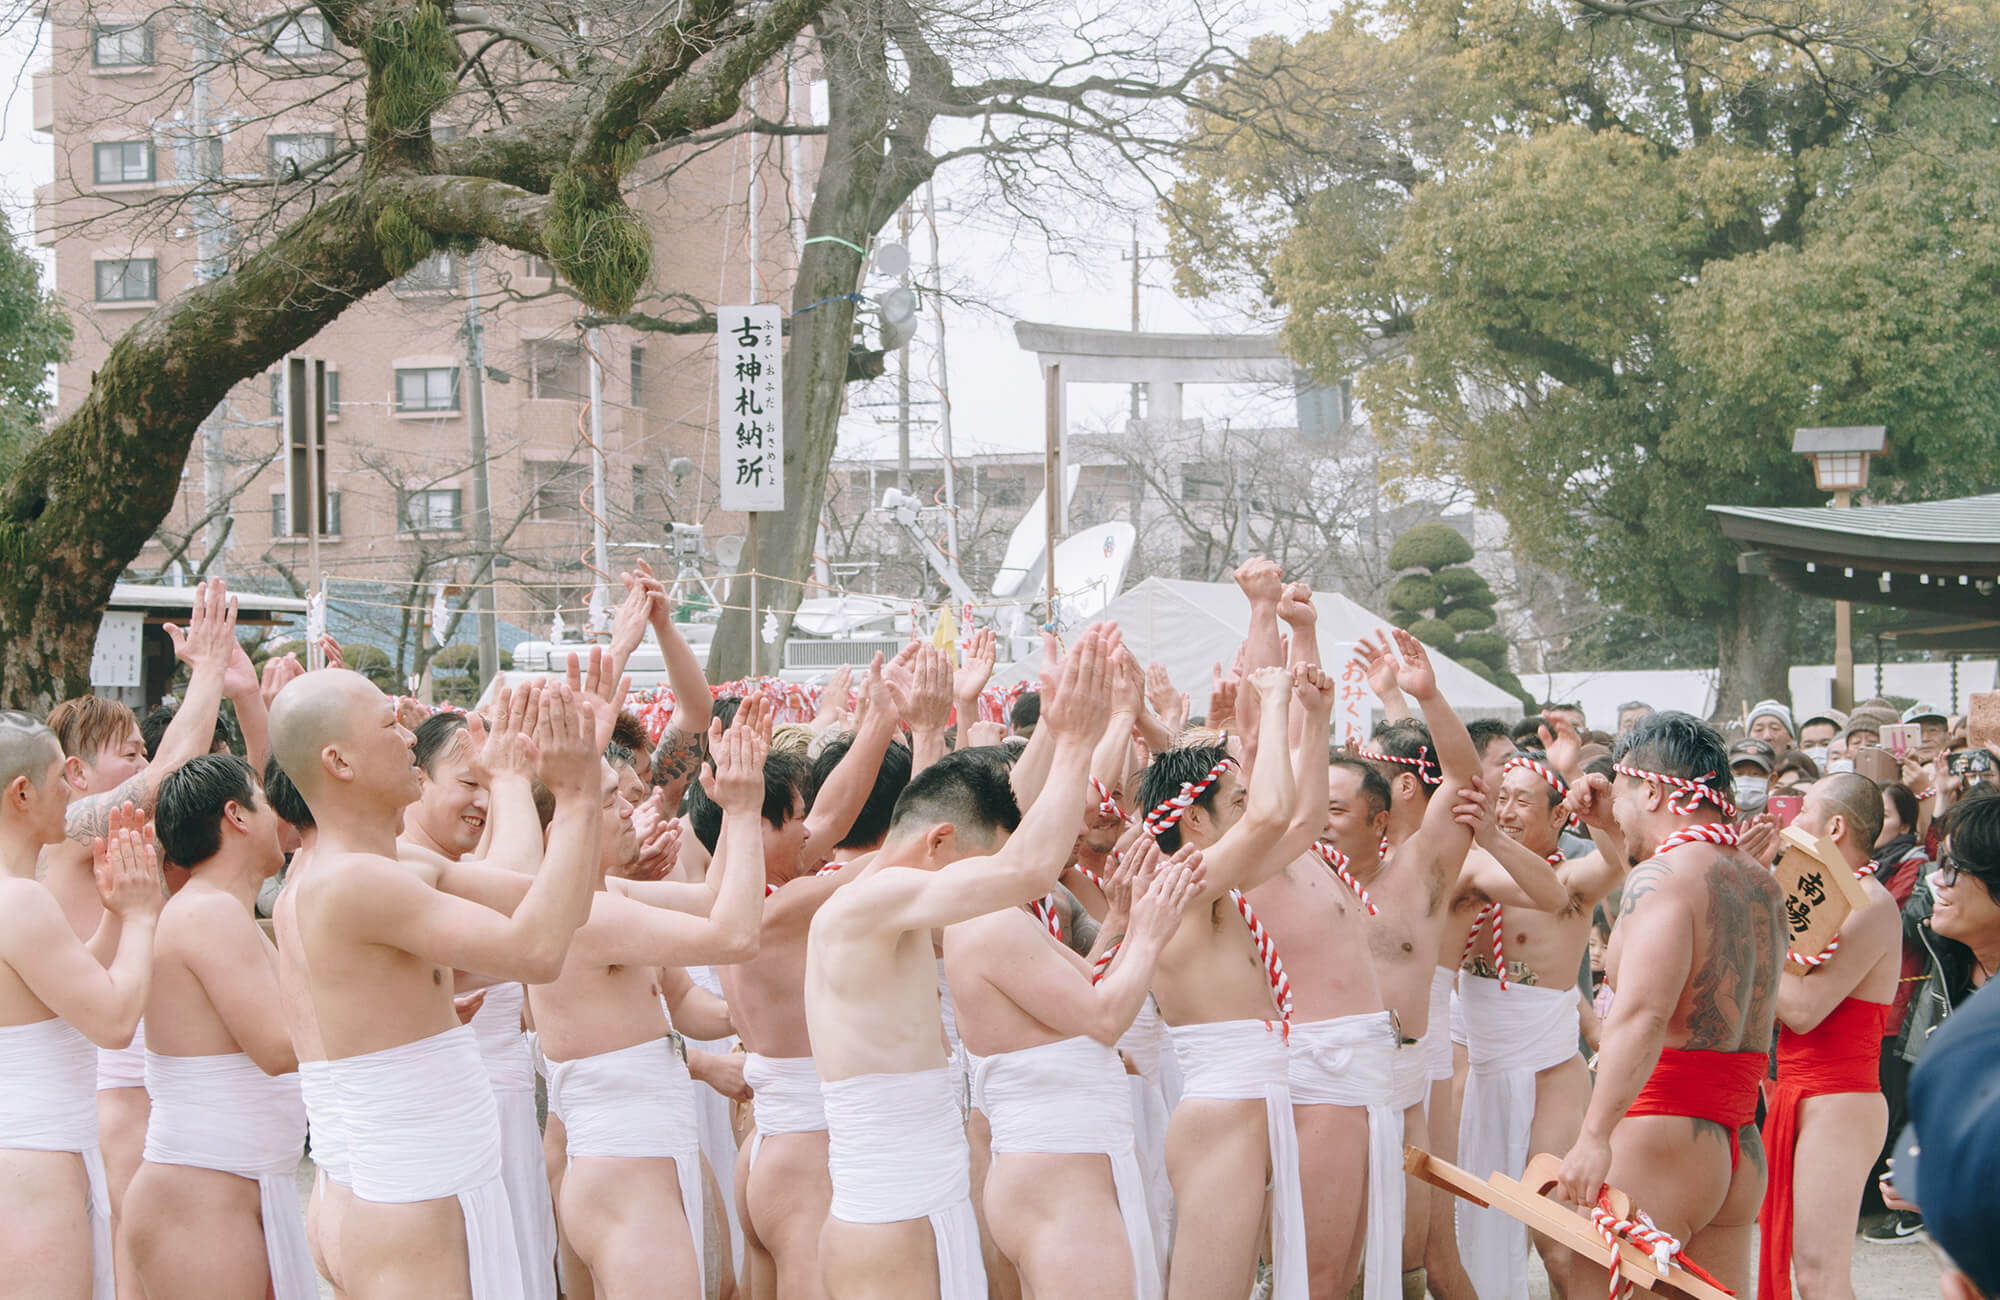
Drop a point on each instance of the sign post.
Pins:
(750, 350)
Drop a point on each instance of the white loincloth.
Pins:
(896, 1151)
(711, 1111)
(1410, 1074)
(510, 1067)
(1437, 1040)
(960, 1064)
(1246, 1060)
(788, 1097)
(324, 1125)
(1515, 1034)
(1071, 1098)
(48, 1102)
(1457, 1023)
(426, 1127)
(123, 1067)
(1348, 1061)
(637, 1102)
(224, 1113)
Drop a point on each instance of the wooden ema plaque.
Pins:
(1820, 890)
(1527, 1202)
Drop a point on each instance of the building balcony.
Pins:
(45, 99)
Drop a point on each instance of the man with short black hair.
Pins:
(901, 1221)
(227, 1122)
(1818, 732)
(1694, 961)
(1571, 713)
(1630, 712)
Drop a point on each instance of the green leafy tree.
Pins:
(1616, 264)
(1448, 606)
(34, 335)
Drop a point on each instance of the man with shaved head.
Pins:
(61, 999)
(379, 940)
(1827, 1116)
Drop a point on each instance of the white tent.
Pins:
(1192, 626)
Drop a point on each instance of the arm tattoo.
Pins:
(1645, 878)
(90, 817)
(677, 755)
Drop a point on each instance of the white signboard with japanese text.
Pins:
(750, 345)
(115, 659)
(1353, 704)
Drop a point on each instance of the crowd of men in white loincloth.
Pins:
(1130, 1006)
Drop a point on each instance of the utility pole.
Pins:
(903, 373)
(944, 384)
(600, 593)
(482, 498)
(199, 157)
(1135, 257)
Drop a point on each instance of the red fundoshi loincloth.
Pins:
(1720, 1087)
(1842, 1054)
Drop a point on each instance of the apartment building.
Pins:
(181, 137)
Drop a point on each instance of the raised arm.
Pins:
(852, 780)
(1263, 583)
(239, 975)
(1246, 853)
(1378, 664)
(1441, 840)
(1509, 872)
(1031, 765)
(103, 1001)
(926, 706)
(1656, 937)
(1028, 865)
(969, 682)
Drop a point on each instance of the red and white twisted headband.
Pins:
(1428, 770)
(1175, 806)
(1692, 793)
(1521, 762)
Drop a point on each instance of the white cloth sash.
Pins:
(1348, 1061)
(896, 1151)
(711, 1112)
(1246, 1060)
(48, 1102)
(636, 1102)
(432, 1130)
(788, 1097)
(1437, 1038)
(224, 1113)
(324, 1125)
(1512, 1035)
(1410, 1075)
(1072, 1098)
(510, 1067)
(123, 1067)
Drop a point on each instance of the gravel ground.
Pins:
(1906, 1270)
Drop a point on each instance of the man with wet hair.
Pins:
(228, 1123)
(58, 997)
(1694, 966)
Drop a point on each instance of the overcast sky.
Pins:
(988, 255)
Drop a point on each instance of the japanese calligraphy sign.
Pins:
(1820, 890)
(750, 346)
(1353, 705)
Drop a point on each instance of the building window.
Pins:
(293, 155)
(557, 489)
(281, 516)
(555, 368)
(278, 394)
(437, 273)
(126, 162)
(433, 388)
(1003, 489)
(443, 132)
(433, 510)
(125, 45)
(638, 376)
(540, 268)
(639, 490)
(302, 35)
(133, 279)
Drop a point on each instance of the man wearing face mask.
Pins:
(1817, 734)
(1750, 764)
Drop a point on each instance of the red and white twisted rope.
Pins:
(1709, 833)
(1175, 806)
(1692, 794)
(1498, 916)
(1337, 860)
(1106, 804)
(1428, 770)
(1267, 953)
(1521, 762)
(1823, 956)
(1641, 1232)
(1102, 966)
(1049, 914)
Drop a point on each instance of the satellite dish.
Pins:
(728, 550)
(894, 334)
(1090, 569)
(898, 305)
(680, 467)
(891, 259)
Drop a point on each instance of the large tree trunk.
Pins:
(88, 495)
(861, 185)
(1754, 642)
